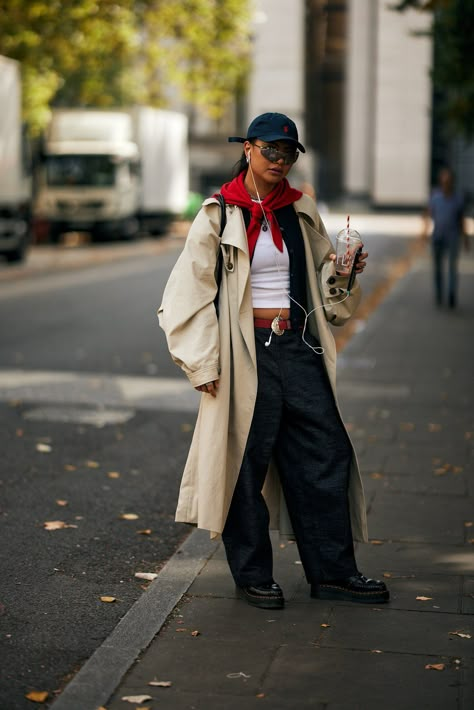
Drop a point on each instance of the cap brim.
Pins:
(281, 137)
(269, 138)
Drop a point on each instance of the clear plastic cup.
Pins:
(347, 243)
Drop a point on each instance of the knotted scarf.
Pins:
(235, 193)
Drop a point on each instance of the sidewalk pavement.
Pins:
(406, 390)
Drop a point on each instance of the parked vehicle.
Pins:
(15, 167)
(112, 173)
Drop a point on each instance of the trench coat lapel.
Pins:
(235, 238)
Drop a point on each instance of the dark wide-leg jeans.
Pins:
(296, 421)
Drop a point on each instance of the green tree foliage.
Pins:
(453, 75)
(119, 52)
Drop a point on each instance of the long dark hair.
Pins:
(240, 165)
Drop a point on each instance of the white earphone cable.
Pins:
(317, 349)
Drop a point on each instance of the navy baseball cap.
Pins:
(271, 127)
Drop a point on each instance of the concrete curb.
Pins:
(102, 673)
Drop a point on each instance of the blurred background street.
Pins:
(109, 142)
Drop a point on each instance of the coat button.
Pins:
(333, 291)
(332, 280)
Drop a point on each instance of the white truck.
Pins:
(15, 167)
(112, 173)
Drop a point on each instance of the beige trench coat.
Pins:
(208, 348)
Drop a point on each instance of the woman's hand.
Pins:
(209, 388)
(361, 261)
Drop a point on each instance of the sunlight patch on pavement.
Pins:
(156, 393)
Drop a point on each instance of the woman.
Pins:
(269, 448)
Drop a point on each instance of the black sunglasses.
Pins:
(273, 155)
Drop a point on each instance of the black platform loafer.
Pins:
(358, 589)
(264, 596)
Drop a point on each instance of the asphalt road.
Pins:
(94, 425)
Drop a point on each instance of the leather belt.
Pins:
(267, 323)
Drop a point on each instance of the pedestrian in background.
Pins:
(446, 209)
(269, 447)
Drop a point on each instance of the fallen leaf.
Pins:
(150, 576)
(325, 626)
(129, 516)
(148, 531)
(376, 476)
(471, 541)
(92, 464)
(136, 698)
(70, 467)
(161, 683)
(460, 634)
(424, 599)
(37, 696)
(435, 667)
(387, 575)
(260, 695)
(457, 469)
(376, 542)
(195, 633)
(113, 474)
(57, 525)
(44, 448)
(178, 630)
(61, 502)
(109, 600)
(407, 426)
(434, 427)
(19, 432)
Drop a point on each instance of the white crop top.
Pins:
(270, 274)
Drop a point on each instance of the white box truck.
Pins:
(15, 167)
(111, 173)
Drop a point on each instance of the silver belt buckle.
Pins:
(275, 327)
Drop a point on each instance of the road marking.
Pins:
(78, 388)
(76, 415)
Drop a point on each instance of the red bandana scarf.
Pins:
(234, 193)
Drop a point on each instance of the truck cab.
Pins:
(89, 178)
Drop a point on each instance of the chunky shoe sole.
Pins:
(323, 591)
(261, 601)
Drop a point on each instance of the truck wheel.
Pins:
(16, 255)
(130, 230)
(55, 234)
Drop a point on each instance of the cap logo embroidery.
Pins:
(285, 128)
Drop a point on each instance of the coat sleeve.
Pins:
(338, 305)
(187, 313)
(333, 288)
